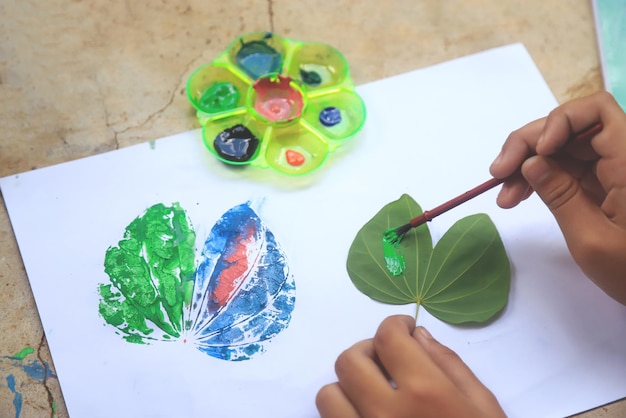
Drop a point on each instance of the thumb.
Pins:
(562, 194)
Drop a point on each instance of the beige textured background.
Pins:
(81, 77)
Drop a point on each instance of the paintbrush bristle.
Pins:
(394, 235)
(391, 236)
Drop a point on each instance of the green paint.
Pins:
(152, 274)
(394, 261)
(20, 355)
(220, 97)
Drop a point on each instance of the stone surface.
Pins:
(81, 77)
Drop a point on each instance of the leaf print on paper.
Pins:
(240, 296)
(152, 274)
(244, 293)
(464, 278)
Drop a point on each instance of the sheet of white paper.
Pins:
(558, 348)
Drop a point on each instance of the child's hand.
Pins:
(404, 372)
(583, 184)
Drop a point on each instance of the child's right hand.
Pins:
(583, 184)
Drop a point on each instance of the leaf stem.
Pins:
(417, 309)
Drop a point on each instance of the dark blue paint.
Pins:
(330, 116)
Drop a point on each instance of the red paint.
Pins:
(278, 99)
(294, 158)
(237, 262)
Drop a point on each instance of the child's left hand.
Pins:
(404, 372)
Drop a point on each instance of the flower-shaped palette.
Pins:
(275, 102)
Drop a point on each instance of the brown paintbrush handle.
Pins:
(428, 215)
(452, 203)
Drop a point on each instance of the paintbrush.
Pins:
(394, 235)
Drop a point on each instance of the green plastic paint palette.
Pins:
(270, 101)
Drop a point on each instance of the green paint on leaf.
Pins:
(152, 274)
(21, 355)
(464, 278)
(394, 260)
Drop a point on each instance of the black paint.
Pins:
(236, 144)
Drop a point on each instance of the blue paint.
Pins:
(257, 59)
(17, 396)
(34, 370)
(244, 293)
(37, 371)
(330, 116)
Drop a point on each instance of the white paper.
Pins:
(557, 349)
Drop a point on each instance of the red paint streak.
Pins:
(234, 274)
(294, 158)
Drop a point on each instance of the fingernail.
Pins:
(425, 332)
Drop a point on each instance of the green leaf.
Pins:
(366, 262)
(465, 278)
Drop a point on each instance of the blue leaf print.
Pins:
(243, 292)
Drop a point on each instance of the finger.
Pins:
(513, 192)
(593, 237)
(576, 117)
(519, 145)
(401, 356)
(456, 370)
(360, 376)
(576, 212)
(331, 402)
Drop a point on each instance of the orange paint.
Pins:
(234, 275)
(294, 158)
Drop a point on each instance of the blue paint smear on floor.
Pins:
(17, 396)
(35, 371)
